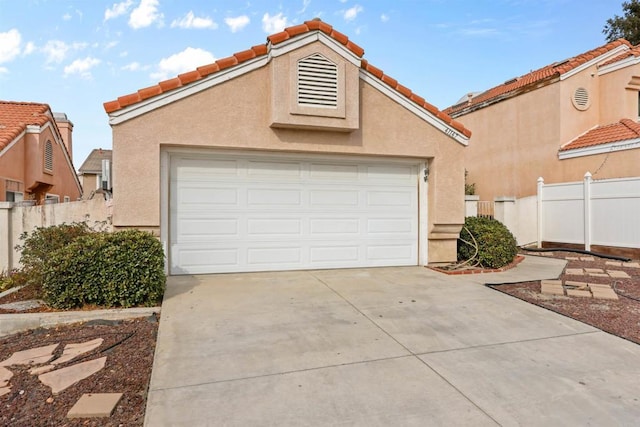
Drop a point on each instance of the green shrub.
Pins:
(12, 279)
(42, 242)
(123, 269)
(496, 245)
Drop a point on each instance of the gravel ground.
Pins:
(618, 317)
(128, 345)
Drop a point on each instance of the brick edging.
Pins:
(518, 259)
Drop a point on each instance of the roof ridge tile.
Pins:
(263, 49)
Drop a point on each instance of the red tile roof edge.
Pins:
(11, 130)
(624, 130)
(260, 50)
(530, 80)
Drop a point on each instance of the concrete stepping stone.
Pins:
(587, 258)
(579, 293)
(614, 263)
(618, 274)
(631, 264)
(41, 369)
(553, 287)
(22, 305)
(594, 270)
(572, 258)
(574, 271)
(603, 292)
(71, 351)
(94, 405)
(4, 390)
(33, 356)
(598, 274)
(60, 379)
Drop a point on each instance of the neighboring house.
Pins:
(559, 122)
(91, 170)
(36, 154)
(294, 154)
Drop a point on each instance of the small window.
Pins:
(48, 156)
(51, 199)
(67, 199)
(13, 196)
(317, 82)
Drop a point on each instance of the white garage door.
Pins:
(260, 213)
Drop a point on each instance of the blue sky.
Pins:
(77, 54)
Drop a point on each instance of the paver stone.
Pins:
(94, 405)
(72, 351)
(33, 356)
(60, 379)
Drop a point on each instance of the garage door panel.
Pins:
(265, 169)
(206, 197)
(339, 226)
(199, 229)
(272, 197)
(274, 227)
(390, 198)
(260, 215)
(334, 198)
(334, 254)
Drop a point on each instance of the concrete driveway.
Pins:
(383, 346)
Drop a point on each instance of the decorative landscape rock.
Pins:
(94, 405)
(71, 351)
(60, 379)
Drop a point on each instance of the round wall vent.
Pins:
(581, 99)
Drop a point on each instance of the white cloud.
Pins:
(275, 23)
(384, 17)
(118, 9)
(187, 60)
(56, 50)
(305, 5)
(4, 70)
(29, 48)
(111, 44)
(9, 45)
(82, 67)
(66, 17)
(351, 13)
(237, 23)
(145, 14)
(134, 66)
(192, 21)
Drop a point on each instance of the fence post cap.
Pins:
(587, 175)
(540, 180)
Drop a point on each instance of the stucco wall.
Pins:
(24, 162)
(517, 140)
(236, 115)
(513, 143)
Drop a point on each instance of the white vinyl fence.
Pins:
(604, 212)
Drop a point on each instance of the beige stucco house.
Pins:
(294, 154)
(90, 173)
(36, 154)
(558, 122)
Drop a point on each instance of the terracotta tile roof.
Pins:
(531, 80)
(635, 51)
(93, 162)
(260, 50)
(16, 116)
(624, 130)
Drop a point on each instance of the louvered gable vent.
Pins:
(317, 82)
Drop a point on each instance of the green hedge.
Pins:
(124, 268)
(41, 243)
(496, 245)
